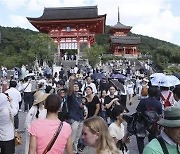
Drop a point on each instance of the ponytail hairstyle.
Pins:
(37, 113)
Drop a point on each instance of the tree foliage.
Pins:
(93, 54)
(19, 46)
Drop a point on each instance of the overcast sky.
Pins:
(155, 18)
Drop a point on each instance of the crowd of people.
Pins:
(68, 111)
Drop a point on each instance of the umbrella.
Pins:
(157, 78)
(118, 85)
(118, 76)
(98, 76)
(167, 81)
(158, 75)
(30, 74)
(172, 80)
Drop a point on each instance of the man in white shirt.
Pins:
(16, 96)
(28, 97)
(89, 83)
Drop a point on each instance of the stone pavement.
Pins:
(132, 146)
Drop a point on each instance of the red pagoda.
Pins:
(120, 43)
(71, 27)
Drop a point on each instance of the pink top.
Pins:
(44, 129)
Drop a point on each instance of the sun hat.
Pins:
(39, 97)
(171, 117)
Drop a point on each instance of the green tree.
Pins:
(93, 54)
(42, 47)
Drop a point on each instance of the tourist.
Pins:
(143, 90)
(149, 104)
(103, 94)
(89, 83)
(43, 130)
(169, 139)
(28, 97)
(130, 91)
(76, 111)
(16, 96)
(117, 129)
(37, 111)
(8, 110)
(93, 103)
(96, 135)
(176, 94)
(110, 101)
(63, 113)
(166, 96)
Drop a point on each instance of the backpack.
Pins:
(151, 118)
(166, 101)
(144, 91)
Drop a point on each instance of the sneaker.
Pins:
(20, 110)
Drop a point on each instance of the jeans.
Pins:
(76, 133)
(103, 115)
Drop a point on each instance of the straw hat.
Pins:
(171, 117)
(39, 97)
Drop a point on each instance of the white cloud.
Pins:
(148, 17)
(13, 4)
(153, 18)
(19, 21)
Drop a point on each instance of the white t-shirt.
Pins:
(15, 95)
(116, 131)
(92, 85)
(32, 115)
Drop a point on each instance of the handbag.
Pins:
(51, 143)
(17, 138)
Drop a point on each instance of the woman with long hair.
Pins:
(42, 131)
(96, 134)
(37, 111)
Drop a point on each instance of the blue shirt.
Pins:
(75, 111)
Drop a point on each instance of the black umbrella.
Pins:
(118, 85)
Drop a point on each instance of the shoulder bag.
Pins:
(163, 145)
(52, 141)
